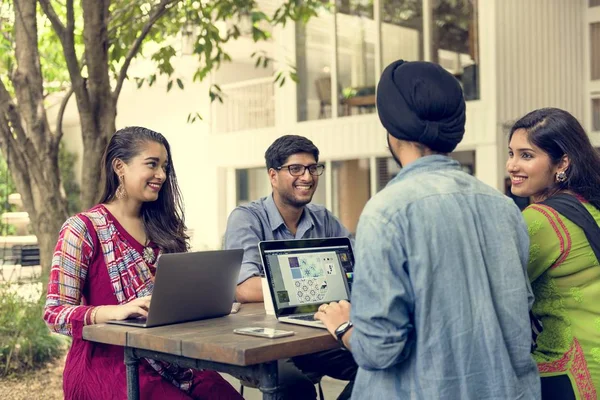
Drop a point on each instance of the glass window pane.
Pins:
(401, 30)
(387, 169)
(320, 197)
(595, 50)
(454, 43)
(252, 184)
(356, 56)
(313, 62)
(466, 160)
(596, 115)
(350, 190)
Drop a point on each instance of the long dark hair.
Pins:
(163, 219)
(558, 133)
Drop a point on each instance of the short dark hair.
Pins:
(287, 146)
(558, 133)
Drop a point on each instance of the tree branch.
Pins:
(12, 116)
(59, 119)
(66, 36)
(57, 24)
(15, 159)
(155, 15)
(9, 114)
(70, 17)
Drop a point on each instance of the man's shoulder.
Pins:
(252, 207)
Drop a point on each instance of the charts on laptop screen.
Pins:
(310, 275)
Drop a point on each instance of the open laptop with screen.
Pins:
(305, 273)
(191, 286)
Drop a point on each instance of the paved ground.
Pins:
(331, 388)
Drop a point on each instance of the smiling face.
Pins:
(145, 173)
(530, 169)
(294, 191)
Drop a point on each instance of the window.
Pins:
(351, 190)
(314, 52)
(387, 169)
(594, 3)
(356, 36)
(454, 43)
(401, 30)
(596, 115)
(595, 50)
(251, 184)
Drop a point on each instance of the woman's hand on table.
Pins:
(134, 309)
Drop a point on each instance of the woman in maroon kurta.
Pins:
(103, 269)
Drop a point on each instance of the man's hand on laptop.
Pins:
(333, 315)
(134, 309)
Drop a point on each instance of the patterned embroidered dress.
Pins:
(565, 276)
(96, 262)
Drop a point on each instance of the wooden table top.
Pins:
(214, 340)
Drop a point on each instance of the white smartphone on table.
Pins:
(263, 332)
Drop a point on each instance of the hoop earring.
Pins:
(121, 193)
(561, 176)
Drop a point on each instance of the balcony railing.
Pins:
(246, 105)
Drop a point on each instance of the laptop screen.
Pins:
(303, 278)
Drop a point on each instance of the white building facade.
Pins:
(511, 56)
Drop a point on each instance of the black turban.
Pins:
(422, 102)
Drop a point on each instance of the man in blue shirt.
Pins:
(294, 170)
(441, 299)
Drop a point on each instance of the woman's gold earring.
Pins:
(121, 193)
(561, 176)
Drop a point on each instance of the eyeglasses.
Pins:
(299, 169)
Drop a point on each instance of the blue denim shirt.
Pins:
(441, 297)
(260, 220)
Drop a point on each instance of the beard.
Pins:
(292, 201)
(392, 152)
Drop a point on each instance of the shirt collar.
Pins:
(426, 164)
(276, 220)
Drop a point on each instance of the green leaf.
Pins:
(179, 83)
(169, 85)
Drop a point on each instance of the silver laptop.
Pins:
(303, 274)
(191, 286)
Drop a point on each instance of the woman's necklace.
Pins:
(148, 253)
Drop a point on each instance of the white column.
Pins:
(489, 165)
(373, 175)
(427, 29)
(334, 63)
(378, 45)
(329, 186)
(285, 96)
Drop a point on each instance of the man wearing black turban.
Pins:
(440, 300)
(421, 102)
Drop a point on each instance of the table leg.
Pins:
(268, 381)
(133, 381)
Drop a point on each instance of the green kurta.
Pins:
(565, 277)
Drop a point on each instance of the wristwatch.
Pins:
(341, 330)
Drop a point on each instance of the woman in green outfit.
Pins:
(550, 154)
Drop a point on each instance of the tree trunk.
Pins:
(26, 139)
(93, 149)
(50, 221)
